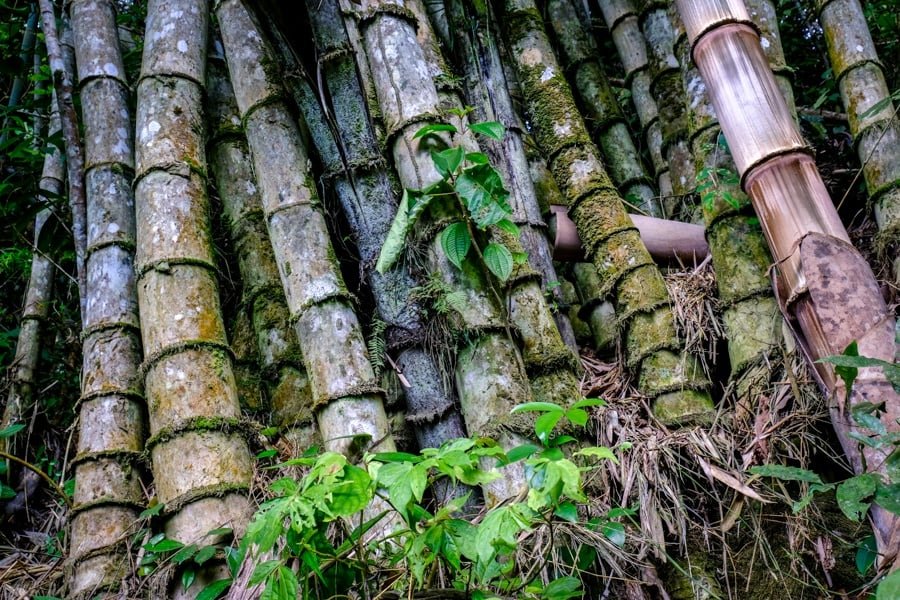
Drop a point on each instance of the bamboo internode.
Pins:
(821, 280)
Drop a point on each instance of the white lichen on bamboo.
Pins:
(201, 463)
(668, 375)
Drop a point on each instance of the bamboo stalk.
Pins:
(282, 372)
(201, 463)
(63, 84)
(108, 490)
(873, 119)
(821, 280)
(579, 54)
(18, 85)
(347, 398)
(668, 375)
(355, 170)
(622, 20)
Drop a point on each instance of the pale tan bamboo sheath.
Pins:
(822, 282)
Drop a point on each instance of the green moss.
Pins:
(648, 333)
(683, 407)
(666, 371)
(580, 174)
(741, 258)
(640, 290)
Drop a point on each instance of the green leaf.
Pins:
(509, 227)
(544, 424)
(267, 453)
(598, 452)
(220, 531)
(615, 533)
(353, 493)
(563, 588)
(448, 161)
(479, 158)
(481, 188)
(499, 260)
(536, 407)
(434, 128)
(845, 371)
(786, 473)
(578, 416)
(6, 492)
(456, 242)
(491, 129)
(567, 511)
(263, 570)
(205, 553)
(851, 495)
(234, 557)
(889, 588)
(214, 590)
(11, 430)
(389, 457)
(864, 413)
(520, 452)
(588, 402)
(164, 545)
(395, 242)
(184, 554)
(866, 554)
(187, 578)
(888, 497)
(814, 489)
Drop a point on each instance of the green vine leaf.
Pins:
(491, 129)
(481, 188)
(455, 241)
(434, 128)
(448, 161)
(499, 260)
(851, 495)
(509, 227)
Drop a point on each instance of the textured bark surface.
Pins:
(806, 237)
(873, 117)
(667, 374)
(201, 464)
(346, 396)
(108, 464)
(268, 328)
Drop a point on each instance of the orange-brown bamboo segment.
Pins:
(666, 241)
(822, 281)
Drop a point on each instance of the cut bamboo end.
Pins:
(667, 241)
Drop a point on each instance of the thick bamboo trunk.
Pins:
(282, 374)
(346, 395)
(201, 464)
(489, 375)
(108, 490)
(366, 193)
(581, 61)
(63, 85)
(487, 91)
(669, 376)
(622, 20)
(821, 280)
(873, 117)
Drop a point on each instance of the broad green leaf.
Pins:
(851, 495)
(353, 493)
(509, 227)
(418, 481)
(263, 570)
(6, 492)
(479, 158)
(814, 489)
(536, 407)
(578, 416)
(220, 531)
(395, 242)
(866, 555)
(786, 473)
(523, 451)
(864, 413)
(389, 457)
(889, 588)
(164, 545)
(567, 511)
(588, 402)
(598, 452)
(615, 533)
(448, 161)
(234, 557)
(846, 371)
(491, 129)
(888, 497)
(204, 554)
(11, 430)
(456, 242)
(564, 588)
(434, 128)
(499, 260)
(184, 554)
(544, 424)
(187, 578)
(481, 188)
(214, 590)
(892, 466)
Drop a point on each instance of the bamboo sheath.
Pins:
(821, 280)
(579, 54)
(201, 463)
(487, 91)
(873, 116)
(112, 428)
(489, 376)
(267, 329)
(361, 181)
(622, 20)
(667, 374)
(348, 401)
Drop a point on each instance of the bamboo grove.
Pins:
(344, 236)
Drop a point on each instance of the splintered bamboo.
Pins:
(201, 464)
(622, 20)
(487, 90)
(282, 372)
(366, 192)
(666, 88)
(671, 377)
(108, 464)
(581, 61)
(874, 123)
(489, 375)
(347, 398)
(821, 281)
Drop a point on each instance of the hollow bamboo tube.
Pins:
(821, 280)
(201, 463)
(667, 373)
(108, 490)
(622, 20)
(667, 241)
(348, 401)
(282, 372)
(873, 118)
